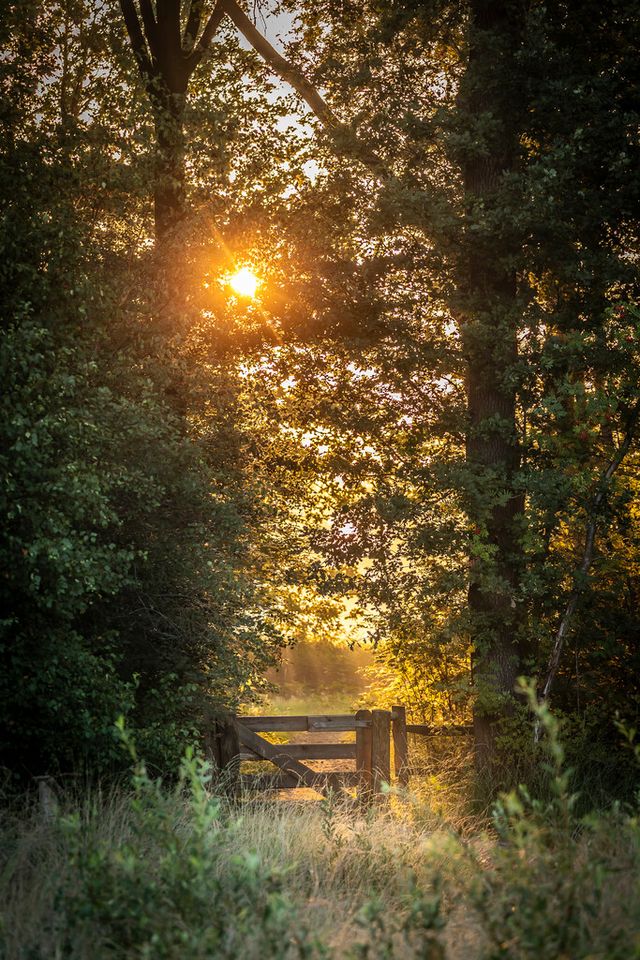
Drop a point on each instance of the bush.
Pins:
(559, 885)
(160, 890)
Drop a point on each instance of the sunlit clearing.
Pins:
(244, 282)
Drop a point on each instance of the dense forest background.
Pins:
(421, 432)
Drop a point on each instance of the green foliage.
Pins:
(161, 889)
(174, 874)
(113, 591)
(552, 873)
(189, 479)
(411, 933)
(128, 553)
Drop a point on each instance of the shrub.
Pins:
(560, 885)
(160, 890)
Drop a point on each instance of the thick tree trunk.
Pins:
(170, 213)
(492, 453)
(169, 186)
(167, 53)
(488, 286)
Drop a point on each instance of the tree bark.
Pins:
(490, 317)
(169, 183)
(166, 56)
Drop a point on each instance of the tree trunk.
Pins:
(169, 186)
(490, 319)
(170, 212)
(496, 616)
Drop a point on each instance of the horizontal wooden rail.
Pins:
(284, 781)
(428, 730)
(337, 723)
(310, 751)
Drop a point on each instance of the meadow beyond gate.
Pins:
(375, 732)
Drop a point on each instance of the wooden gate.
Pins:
(375, 731)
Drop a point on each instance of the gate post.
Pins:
(400, 745)
(222, 747)
(363, 755)
(380, 749)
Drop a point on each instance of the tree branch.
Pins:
(208, 33)
(150, 27)
(190, 34)
(136, 38)
(279, 65)
(587, 555)
(348, 139)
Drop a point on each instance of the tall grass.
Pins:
(177, 872)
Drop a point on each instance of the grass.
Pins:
(177, 871)
(158, 873)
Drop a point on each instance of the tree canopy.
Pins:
(421, 431)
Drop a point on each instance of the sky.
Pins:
(273, 26)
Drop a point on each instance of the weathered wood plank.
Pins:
(380, 749)
(269, 751)
(285, 781)
(400, 744)
(274, 724)
(427, 730)
(319, 751)
(339, 722)
(363, 755)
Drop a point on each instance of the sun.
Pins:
(244, 282)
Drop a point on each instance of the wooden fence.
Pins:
(239, 738)
(376, 732)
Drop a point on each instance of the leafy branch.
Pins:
(587, 554)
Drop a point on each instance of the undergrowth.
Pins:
(177, 871)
